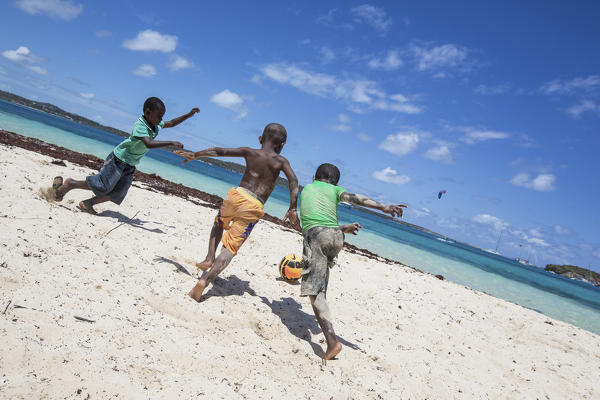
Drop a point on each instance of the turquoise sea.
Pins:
(572, 301)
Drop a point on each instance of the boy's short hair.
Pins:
(274, 131)
(328, 173)
(152, 103)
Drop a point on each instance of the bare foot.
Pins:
(86, 206)
(196, 292)
(332, 351)
(59, 188)
(204, 265)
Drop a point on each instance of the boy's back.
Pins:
(318, 205)
(262, 169)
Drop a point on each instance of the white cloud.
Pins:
(418, 213)
(491, 90)
(376, 17)
(541, 183)
(314, 83)
(535, 232)
(361, 93)
(145, 70)
(37, 69)
(440, 152)
(391, 62)
(63, 9)
(150, 40)
(390, 175)
(537, 242)
(561, 230)
(87, 95)
(327, 55)
(491, 220)
(364, 137)
(326, 19)
(227, 99)
(445, 56)
(179, 62)
(343, 124)
(585, 106)
(558, 86)
(401, 143)
(473, 136)
(103, 33)
(21, 55)
(230, 100)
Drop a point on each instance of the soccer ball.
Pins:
(290, 268)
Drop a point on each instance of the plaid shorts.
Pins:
(113, 180)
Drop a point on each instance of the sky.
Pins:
(498, 103)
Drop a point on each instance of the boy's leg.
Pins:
(88, 205)
(321, 244)
(220, 263)
(321, 310)
(68, 185)
(215, 237)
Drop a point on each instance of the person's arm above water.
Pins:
(291, 213)
(154, 144)
(178, 120)
(361, 200)
(213, 152)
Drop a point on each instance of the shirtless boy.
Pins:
(243, 206)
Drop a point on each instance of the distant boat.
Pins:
(522, 261)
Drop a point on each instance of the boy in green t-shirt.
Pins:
(115, 176)
(324, 239)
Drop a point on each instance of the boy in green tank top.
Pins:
(116, 175)
(324, 239)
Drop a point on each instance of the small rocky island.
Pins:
(573, 272)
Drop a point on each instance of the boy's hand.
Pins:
(292, 215)
(194, 110)
(351, 228)
(395, 210)
(188, 155)
(177, 145)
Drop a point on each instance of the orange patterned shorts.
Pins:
(239, 213)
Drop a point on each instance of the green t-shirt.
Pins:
(132, 149)
(318, 205)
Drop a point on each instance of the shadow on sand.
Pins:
(135, 222)
(289, 311)
(180, 268)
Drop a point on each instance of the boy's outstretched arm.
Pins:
(292, 214)
(213, 152)
(395, 210)
(178, 120)
(154, 144)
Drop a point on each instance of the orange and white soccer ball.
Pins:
(290, 268)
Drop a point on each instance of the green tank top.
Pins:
(318, 205)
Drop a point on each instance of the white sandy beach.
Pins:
(406, 334)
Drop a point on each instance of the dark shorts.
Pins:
(321, 246)
(113, 180)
